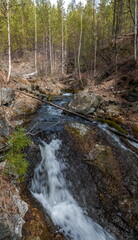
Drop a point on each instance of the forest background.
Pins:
(82, 38)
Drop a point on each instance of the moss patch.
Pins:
(113, 124)
(135, 130)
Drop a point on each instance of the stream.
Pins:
(60, 180)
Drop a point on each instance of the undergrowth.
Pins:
(16, 163)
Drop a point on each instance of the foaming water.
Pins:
(53, 111)
(117, 139)
(49, 187)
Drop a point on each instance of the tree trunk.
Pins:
(79, 50)
(95, 38)
(35, 19)
(136, 31)
(9, 42)
(50, 48)
(62, 43)
(65, 52)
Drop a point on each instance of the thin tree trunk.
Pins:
(114, 19)
(75, 58)
(95, 38)
(136, 30)
(35, 19)
(65, 52)
(95, 58)
(9, 42)
(50, 49)
(79, 50)
(53, 55)
(46, 56)
(62, 44)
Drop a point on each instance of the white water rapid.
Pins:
(49, 187)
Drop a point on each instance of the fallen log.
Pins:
(128, 137)
(54, 105)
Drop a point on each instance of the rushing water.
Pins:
(49, 187)
(58, 184)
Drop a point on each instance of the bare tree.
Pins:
(79, 48)
(50, 47)
(95, 37)
(35, 20)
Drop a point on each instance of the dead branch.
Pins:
(33, 134)
(56, 106)
(29, 132)
(128, 137)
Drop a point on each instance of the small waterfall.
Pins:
(49, 187)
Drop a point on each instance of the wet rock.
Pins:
(111, 178)
(85, 102)
(4, 132)
(7, 95)
(79, 128)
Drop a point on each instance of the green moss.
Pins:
(49, 98)
(73, 131)
(135, 130)
(113, 124)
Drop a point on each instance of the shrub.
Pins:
(16, 163)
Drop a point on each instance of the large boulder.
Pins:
(7, 95)
(85, 102)
(4, 133)
(12, 210)
(100, 166)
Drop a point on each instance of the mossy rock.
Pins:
(102, 157)
(113, 124)
(81, 135)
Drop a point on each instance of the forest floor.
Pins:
(120, 88)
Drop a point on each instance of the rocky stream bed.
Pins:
(100, 169)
